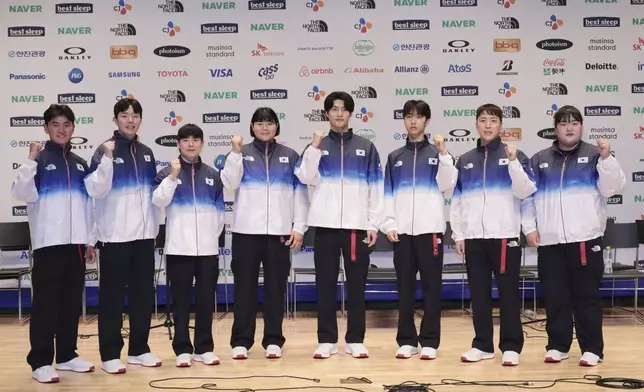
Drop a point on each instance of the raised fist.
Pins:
(512, 152)
(175, 168)
(440, 143)
(34, 149)
(317, 138)
(604, 148)
(109, 148)
(237, 143)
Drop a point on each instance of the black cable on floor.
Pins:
(215, 387)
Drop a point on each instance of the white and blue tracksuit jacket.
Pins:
(416, 175)
(269, 198)
(347, 182)
(194, 205)
(59, 208)
(572, 187)
(490, 193)
(123, 197)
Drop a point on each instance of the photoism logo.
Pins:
(363, 25)
(171, 29)
(123, 7)
(554, 22)
(364, 114)
(506, 3)
(173, 119)
(315, 5)
(507, 90)
(316, 93)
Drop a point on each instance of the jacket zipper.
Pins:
(69, 193)
(268, 182)
(413, 189)
(194, 203)
(341, 179)
(138, 185)
(563, 167)
(484, 193)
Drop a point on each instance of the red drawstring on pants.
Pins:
(353, 245)
(504, 246)
(582, 251)
(435, 242)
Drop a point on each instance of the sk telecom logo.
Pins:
(123, 7)
(554, 22)
(506, 3)
(364, 114)
(363, 25)
(315, 5)
(125, 52)
(171, 29)
(316, 93)
(507, 45)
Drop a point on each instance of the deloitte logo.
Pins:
(363, 47)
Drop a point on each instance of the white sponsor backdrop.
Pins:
(214, 63)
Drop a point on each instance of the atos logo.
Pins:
(364, 114)
(75, 75)
(455, 68)
(173, 119)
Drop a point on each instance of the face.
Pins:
(264, 130)
(569, 132)
(128, 122)
(60, 130)
(488, 126)
(339, 115)
(190, 147)
(415, 125)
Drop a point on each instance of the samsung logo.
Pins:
(459, 91)
(219, 28)
(76, 98)
(603, 111)
(602, 21)
(220, 118)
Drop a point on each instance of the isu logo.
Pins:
(507, 45)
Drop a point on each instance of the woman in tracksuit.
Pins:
(269, 219)
(193, 197)
(61, 222)
(416, 175)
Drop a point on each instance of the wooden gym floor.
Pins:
(623, 334)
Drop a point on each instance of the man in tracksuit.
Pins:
(494, 179)
(573, 178)
(61, 222)
(193, 197)
(346, 181)
(416, 175)
(127, 224)
(269, 220)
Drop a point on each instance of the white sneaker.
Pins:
(209, 358)
(475, 355)
(273, 351)
(510, 358)
(589, 359)
(78, 365)
(184, 360)
(406, 351)
(147, 360)
(113, 366)
(428, 353)
(554, 356)
(357, 350)
(45, 374)
(240, 352)
(325, 350)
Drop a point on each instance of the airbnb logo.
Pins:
(305, 72)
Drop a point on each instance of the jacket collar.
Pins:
(53, 147)
(261, 146)
(417, 145)
(555, 146)
(187, 165)
(119, 138)
(335, 135)
(493, 145)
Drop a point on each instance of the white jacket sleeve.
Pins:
(300, 206)
(447, 173)
(523, 184)
(163, 194)
(611, 177)
(233, 171)
(389, 216)
(528, 215)
(455, 208)
(99, 182)
(23, 186)
(307, 169)
(376, 190)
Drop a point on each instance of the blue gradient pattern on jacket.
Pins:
(281, 164)
(51, 177)
(208, 189)
(357, 158)
(401, 162)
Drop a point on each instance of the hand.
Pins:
(533, 239)
(372, 236)
(440, 144)
(237, 143)
(604, 148)
(175, 168)
(90, 255)
(393, 236)
(317, 138)
(295, 240)
(109, 148)
(460, 247)
(512, 152)
(34, 149)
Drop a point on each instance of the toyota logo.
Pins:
(74, 51)
(459, 132)
(76, 140)
(458, 43)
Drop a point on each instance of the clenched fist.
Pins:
(109, 148)
(317, 138)
(34, 149)
(604, 148)
(236, 143)
(512, 152)
(440, 144)
(175, 168)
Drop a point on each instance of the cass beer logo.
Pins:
(126, 52)
(220, 118)
(602, 111)
(459, 91)
(167, 141)
(507, 45)
(602, 21)
(510, 134)
(268, 94)
(554, 44)
(547, 133)
(219, 28)
(363, 47)
(268, 72)
(74, 8)
(458, 3)
(410, 24)
(254, 5)
(172, 51)
(76, 98)
(171, 6)
(25, 31)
